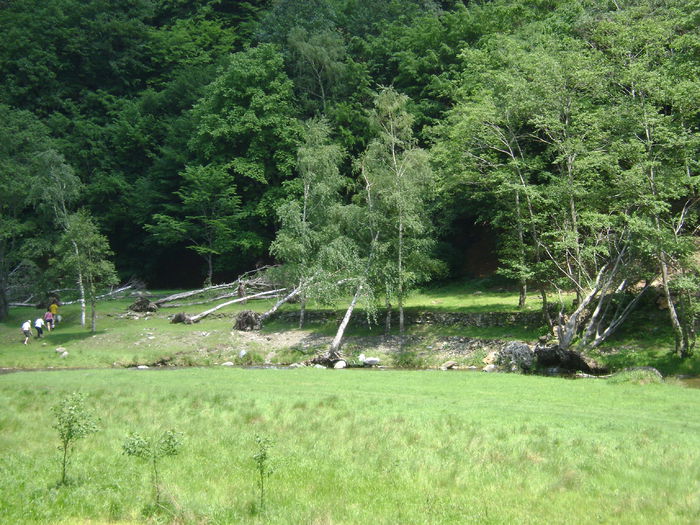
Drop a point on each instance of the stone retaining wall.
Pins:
(480, 320)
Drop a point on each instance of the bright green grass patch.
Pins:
(358, 447)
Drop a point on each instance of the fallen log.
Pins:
(248, 320)
(199, 317)
(104, 296)
(243, 279)
(183, 295)
(218, 298)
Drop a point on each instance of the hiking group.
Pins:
(48, 320)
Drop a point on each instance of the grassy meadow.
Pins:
(356, 447)
(122, 341)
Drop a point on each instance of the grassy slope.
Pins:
(645, 341)
(359, 447)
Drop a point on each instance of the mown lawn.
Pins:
(354, 447)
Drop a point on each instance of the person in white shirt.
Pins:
(39, 325)
(27, 329)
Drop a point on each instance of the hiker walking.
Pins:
(53, 308)
(27, 330)
(48, 319)
(39, 325)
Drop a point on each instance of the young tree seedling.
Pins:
(73, 422)
(151, 449)
(262, 463)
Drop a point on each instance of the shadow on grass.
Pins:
(60, 337)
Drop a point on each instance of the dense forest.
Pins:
(368, 146)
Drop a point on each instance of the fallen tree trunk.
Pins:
(183, 295)
(270, 294)
(248, 320)
(104, 296)
(199, 317)
(244, 280)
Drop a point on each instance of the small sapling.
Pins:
(151, 449)
(74, 421)
(262, 464)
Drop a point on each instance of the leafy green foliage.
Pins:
(74, 421)
(262, 465)
(82, 256)
(151, 449)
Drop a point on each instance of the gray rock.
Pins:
(340, 364)
(227, 363)
(64, 355)
(515, 356)
(490, 368)
(297, 365)
(242, 354)
(60, 350)
(319, 366)
(142, 367)
(449, 365)
(371, 361)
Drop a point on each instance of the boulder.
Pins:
(319, 366)
(60, 350)
(449, 365)
(297, 365)
(64, 355)
(142, 367)
(368, 361)
(490, 368)
(227, 363)
(340, 364)
(143, 304)
(515, 356)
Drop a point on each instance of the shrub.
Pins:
(408, 359)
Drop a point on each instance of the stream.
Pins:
(688, 381)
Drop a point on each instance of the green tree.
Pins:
(399, 176)
(82, 254)
(246, 124)
(206, 216)
(308, 226)
(35, 184)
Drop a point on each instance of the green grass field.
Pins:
(357, 447)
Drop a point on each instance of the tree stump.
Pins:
(181, 317)
(143, 304)
(248, 320)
